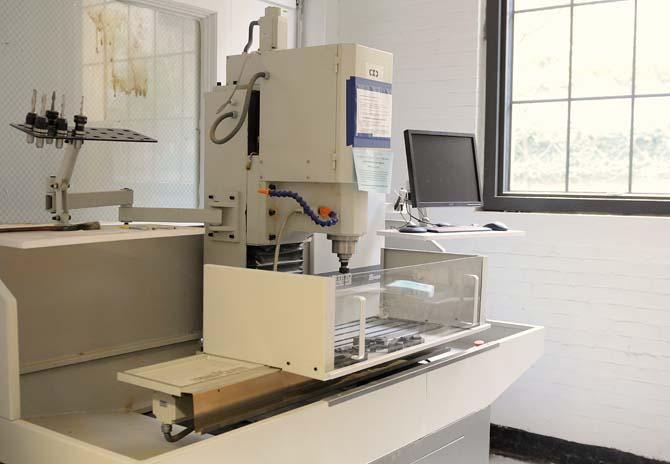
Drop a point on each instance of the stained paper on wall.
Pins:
(374, 169)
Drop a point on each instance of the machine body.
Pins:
(391, 366)
(296, 139)
(289, 121)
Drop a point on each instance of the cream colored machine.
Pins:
(294, 139)
(287, 122)
(120, 356)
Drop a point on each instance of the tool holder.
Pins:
(59, 202)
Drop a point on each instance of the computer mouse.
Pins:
(412, 229)
(499, 226)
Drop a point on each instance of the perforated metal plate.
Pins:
(93, 133)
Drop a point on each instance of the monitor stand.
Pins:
(427, 222)
(403, 202)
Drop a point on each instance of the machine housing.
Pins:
(297, 139)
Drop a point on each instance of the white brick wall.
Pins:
(600, 284)
(435, 76)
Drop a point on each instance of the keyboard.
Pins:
(451, 229)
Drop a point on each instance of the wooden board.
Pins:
(231, 403)
(5, 228)
(107, 233)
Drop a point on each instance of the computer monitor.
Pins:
(442, 169)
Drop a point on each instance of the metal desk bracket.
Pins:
(221, 216)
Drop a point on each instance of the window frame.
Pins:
(496, 147)
(208, 64)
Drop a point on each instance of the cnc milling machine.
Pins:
(397, 364)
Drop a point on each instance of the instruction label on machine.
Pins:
(374, 169)
(369, 112)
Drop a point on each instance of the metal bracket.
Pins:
(183, 215)
(228, 230)
(81, 200)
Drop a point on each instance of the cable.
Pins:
(407, 222)
(275, 263)
(167, 433)
(252, 24)
(245, 52)
(217, 121)
(236, 82)
(243, 117)
(408, 207)
(244, 65)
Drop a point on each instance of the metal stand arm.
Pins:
(61, 183)
(60, 202)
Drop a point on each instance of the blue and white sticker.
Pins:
(369, 112)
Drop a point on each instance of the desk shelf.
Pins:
(438, 237)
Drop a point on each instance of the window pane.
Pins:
(169, 86)
(142, 32)
(146, 93)
(602, 49)
(541, 70)
(653, 68)
(106, 52)
(530, 4)
(169, 30)
(539, 132)
(600, 146)
(651, 155)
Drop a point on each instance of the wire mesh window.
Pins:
(588, 97)
(137, 67)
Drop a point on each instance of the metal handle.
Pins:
(361, 329)
(475, 311)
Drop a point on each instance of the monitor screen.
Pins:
(442, 169)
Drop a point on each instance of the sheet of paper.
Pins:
(374, 113)
(374, 169)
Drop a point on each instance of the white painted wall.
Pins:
(600, 284)
(322, 26)
(233, 18)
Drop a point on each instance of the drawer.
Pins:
(466, 441)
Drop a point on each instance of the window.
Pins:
(578, 106)
(138, 66)
(141, 70)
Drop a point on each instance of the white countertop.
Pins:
(431, 236)
(107, 233)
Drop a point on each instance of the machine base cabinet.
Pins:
(420, 412)
(466, 441)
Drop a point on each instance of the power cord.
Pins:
(275, 262)
(423, 220)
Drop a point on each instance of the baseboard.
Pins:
(527, 446)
